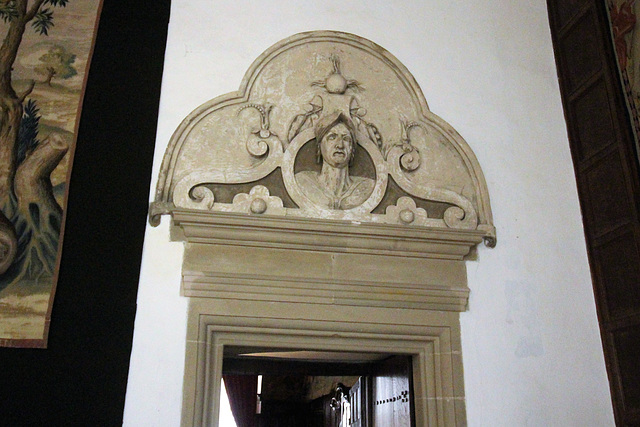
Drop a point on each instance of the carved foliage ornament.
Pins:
(326, 125)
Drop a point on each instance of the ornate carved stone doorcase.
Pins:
(325, 207)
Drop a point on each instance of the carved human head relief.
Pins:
(334, 187)
(386, 159)
(336, 144)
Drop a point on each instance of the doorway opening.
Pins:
(270, 387)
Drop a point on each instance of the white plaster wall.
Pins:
(531, 347)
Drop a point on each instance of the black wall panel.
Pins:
(81, 378)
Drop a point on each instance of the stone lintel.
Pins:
(323, 236)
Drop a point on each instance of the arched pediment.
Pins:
(258, 151)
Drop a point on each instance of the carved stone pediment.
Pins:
(325, 126)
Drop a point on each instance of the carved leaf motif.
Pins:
(297, 125)
(305, 120)
(374, 134)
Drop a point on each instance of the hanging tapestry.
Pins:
(44, 60)
(625, 31)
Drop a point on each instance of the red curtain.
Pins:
(242, 391)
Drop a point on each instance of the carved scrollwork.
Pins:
(259, 140)
(454, 217)
(409, 159)
(461, 215)
(265, 111)
(259, 146)
(490, 238)
(256, 146)
(191, 191)
(156, 210)
(201, 197)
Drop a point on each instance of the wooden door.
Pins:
(391, 393)
(360, 398)
(606, 168)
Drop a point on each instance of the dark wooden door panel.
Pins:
(578, 41)
(606, 167)
(606, 206)
(593, 124)
(392, 393)
(616, 260)
(627, 343)
(565, 10)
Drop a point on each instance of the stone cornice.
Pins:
(325, 236)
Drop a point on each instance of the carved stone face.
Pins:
(336, 146)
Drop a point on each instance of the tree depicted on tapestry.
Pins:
(58, 63)
(31, 217)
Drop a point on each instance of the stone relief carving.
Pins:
(334, 187)
(343, 122)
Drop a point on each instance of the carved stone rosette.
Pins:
(265, 150)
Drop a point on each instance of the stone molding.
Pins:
(347, 279)
(437, 363)
(322, 235)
